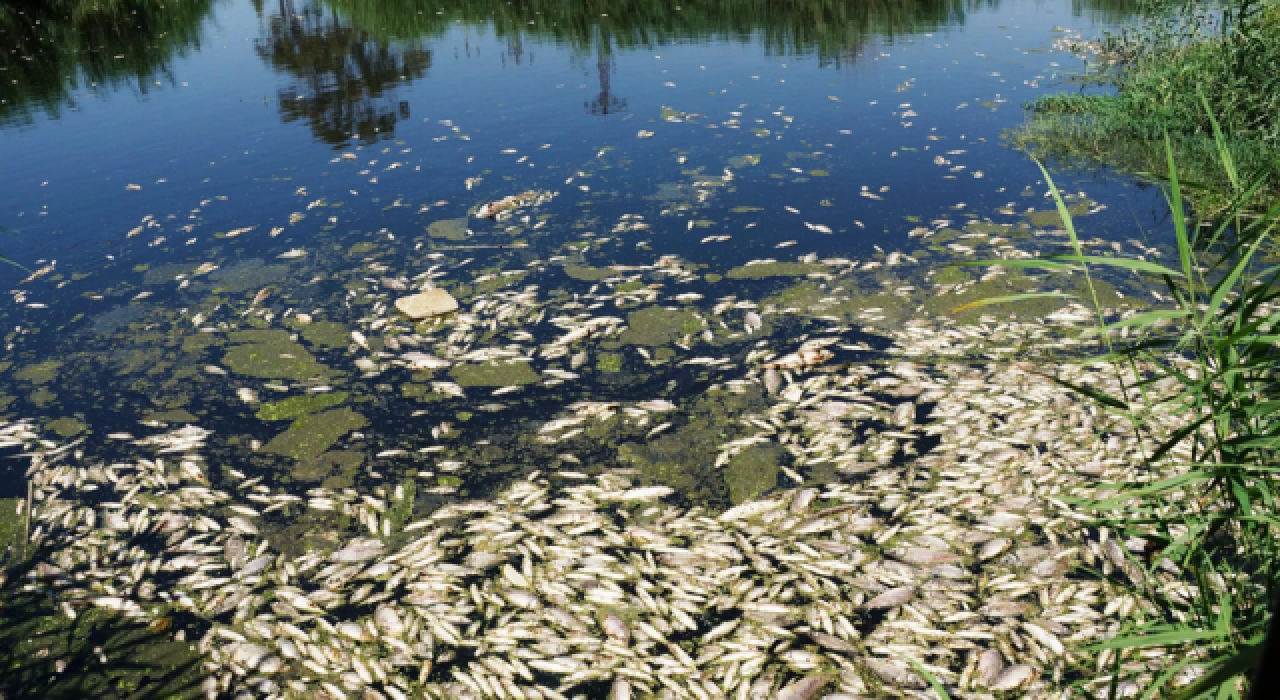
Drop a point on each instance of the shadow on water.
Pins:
(100, 654)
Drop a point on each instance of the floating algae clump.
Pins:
(40, 373)
(655, 325)
(449, 229)
(66, 427)
(494, 374)
(310, 436)
(951, 275)
(340, 461)
(270, 354)
(326, 334)
(774, 269)
(586, 273)
(609, 362)
(752, 472)
(297, 406)
(1049, 218)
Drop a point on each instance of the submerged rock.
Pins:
(433, 302)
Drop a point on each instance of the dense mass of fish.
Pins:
(964, 561)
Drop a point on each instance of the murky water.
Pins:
(218, 206)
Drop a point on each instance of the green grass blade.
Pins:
(1090, 392)
(1124, 263)
(1011, 298)
(1039, 263)
(1220, 140)
(933, 681)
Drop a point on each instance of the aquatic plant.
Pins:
(1201, 522)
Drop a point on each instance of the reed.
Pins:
(1206, 504)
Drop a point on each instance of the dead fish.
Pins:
(893, 673)
(489, 210)
(616, 629)
(891, 598)
(993, 548)
(990, 663)
(804, 689)
(1014, 677)
(293, 253)
(247, 395)
(803, 358)
(261, 296)
(772, 380)
(621, 689)
(38, 273)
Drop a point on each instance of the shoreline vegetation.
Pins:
(1200, 73)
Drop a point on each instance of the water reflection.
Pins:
(344, 77)
(57, 48)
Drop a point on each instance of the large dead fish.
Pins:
(489, 210)
(803, 358)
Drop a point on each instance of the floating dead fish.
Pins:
(797, 360)
(491, 209)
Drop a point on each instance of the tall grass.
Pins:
(1206, 502)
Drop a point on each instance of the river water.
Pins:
(217, 204)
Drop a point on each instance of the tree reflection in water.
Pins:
(344, 78)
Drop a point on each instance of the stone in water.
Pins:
(433, 302)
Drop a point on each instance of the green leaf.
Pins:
(1125, 263)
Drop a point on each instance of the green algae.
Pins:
(326, 464)
(753, 472)
(494, 374)
(326, 334)
(198, 342)
(271, 354)
(951, 275)
(311, 435)
(42, 397)
(586, 273)
(1049, 218)
(298, 406)
(655, 325)
(449, 229)
(39, 373)
(361, 248)
(683, 458)
(66, 427)
(774, 269)
(609, 362)
(174, 415)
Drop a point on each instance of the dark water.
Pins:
(143, 141)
